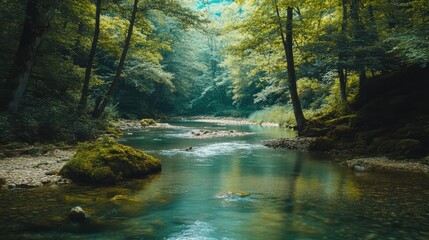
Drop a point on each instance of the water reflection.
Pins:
(226, 188)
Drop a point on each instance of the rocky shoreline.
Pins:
(298, 143)
(233, 121)
(28, 171)
(356, 163)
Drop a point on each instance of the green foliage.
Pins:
(55, 123)
(106, 161)
(311, 93)
(278, 114)
(190, 57)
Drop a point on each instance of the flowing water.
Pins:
(226, 188)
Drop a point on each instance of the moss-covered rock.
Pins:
(106, 161)
(341, 120)
(321, 144)
(147, 122)
(342, 132)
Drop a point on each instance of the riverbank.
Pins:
(31, 168)
(358, 163)
(228, 121)
(28, 171)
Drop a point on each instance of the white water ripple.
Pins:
(213, 149)
(197, 230)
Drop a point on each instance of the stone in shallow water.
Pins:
(232, 196)
(360, 168)
(77, 214)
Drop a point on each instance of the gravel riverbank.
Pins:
(27, 171)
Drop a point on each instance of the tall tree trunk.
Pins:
(287, 40)
(342, 71)
(36, 23)
(297, 109)
(99, 108)
(85, 89)
(357, 31)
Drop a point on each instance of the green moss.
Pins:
(341, 120)
(114, 131)
(342, 132)
(107, 161)
(147, 122)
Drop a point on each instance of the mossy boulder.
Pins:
(106, 161)
(147, 122)
(321, 144)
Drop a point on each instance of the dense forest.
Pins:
(68, 67)
(214, 119)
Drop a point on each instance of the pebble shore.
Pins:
(27, 171)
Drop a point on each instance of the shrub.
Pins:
(278, 114)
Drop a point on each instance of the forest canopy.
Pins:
(68, 66)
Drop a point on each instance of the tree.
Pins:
(99, 107)
(287, 40)
(342, 43)
(37, 19)
(85, 89)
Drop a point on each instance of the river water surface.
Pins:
(226, 188)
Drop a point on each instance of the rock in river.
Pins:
(106, 161)
(77, 214)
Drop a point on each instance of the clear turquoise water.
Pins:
(226, 188)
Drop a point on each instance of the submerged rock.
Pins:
(360, 168)
(77, 214)
(106, 161)
(232, 196)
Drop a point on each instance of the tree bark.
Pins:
(287, 40)
(85, 88)
(297, 109)
(357, 29)
(99, 108)
(342, 71)
(36, 23)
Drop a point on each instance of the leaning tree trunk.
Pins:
(287, 44)
(342, 71)
(99, 108)
(36, 23)
(85, 89)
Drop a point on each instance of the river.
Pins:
(226, 188)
